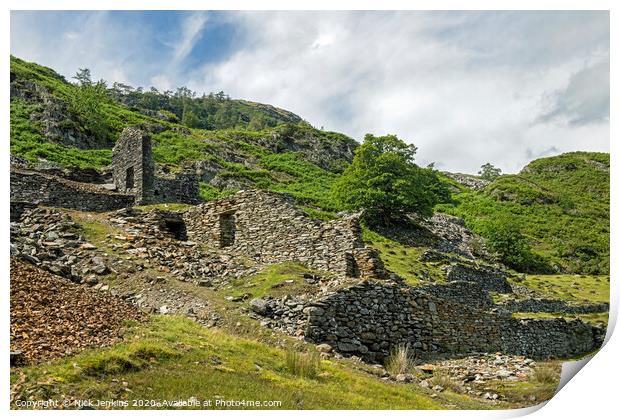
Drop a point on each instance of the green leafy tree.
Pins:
(87, 102)
(83, 77)
(505, 239)
(384, 181)
(489, 172)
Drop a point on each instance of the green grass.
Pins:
(541, 386)
(402, 259)
(304, 365)
(173, 148)
(175, 358)
(275, 280)
(318, 214)
(28, 142)
(569, 287)
(560, 203)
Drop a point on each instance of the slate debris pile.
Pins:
(52, 317)
(52, 240)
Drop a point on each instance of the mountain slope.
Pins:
(51, 121)
(560, 203)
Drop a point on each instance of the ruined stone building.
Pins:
(269, 228)
(133, 169)
(134, 175)
(367, 313)
(134, 172)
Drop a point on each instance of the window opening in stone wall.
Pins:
(176, 228)
(129, 178)
(227, 229)
(352, 268)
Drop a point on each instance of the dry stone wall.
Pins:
(270, 229)
(178, 188)
(488, 278)
(371, 318)
(38, 188)
(553, 306)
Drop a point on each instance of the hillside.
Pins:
(263, 287)
(560, 203)
(52, 124)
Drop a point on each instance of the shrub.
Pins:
(304, 365)
(400, 360)
(446, 382)
(546, 375)
(506, 240)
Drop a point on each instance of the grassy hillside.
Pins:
(285, 155)
(151, 365)
(560, 203)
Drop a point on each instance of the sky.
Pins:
(465, 87)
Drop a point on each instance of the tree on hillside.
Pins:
(505, 239)
(87, 100)
(384, 181)
(83, 77)
(489, 172)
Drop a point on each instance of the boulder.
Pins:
(259, 306)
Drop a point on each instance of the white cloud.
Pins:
(466, 88)
(191, 32)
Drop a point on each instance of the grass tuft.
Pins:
(546, 375)
(446, 382)
(400, 360)
(304, 365)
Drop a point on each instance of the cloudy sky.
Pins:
(465, 87)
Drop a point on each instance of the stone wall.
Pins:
(38, 188)
(18, 208)
(371, 318)
(270, 229)
(553, 306)
(464, 292)
(178, 188)
(133, 168)
(487, 278)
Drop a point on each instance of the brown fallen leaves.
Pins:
(53, 317)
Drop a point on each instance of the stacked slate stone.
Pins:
(371, 318)
(50, 190)
(270, 229)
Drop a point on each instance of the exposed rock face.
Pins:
(453, 236)
(52, 114)
(470, 181)
(38, 188)
(267, 227)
